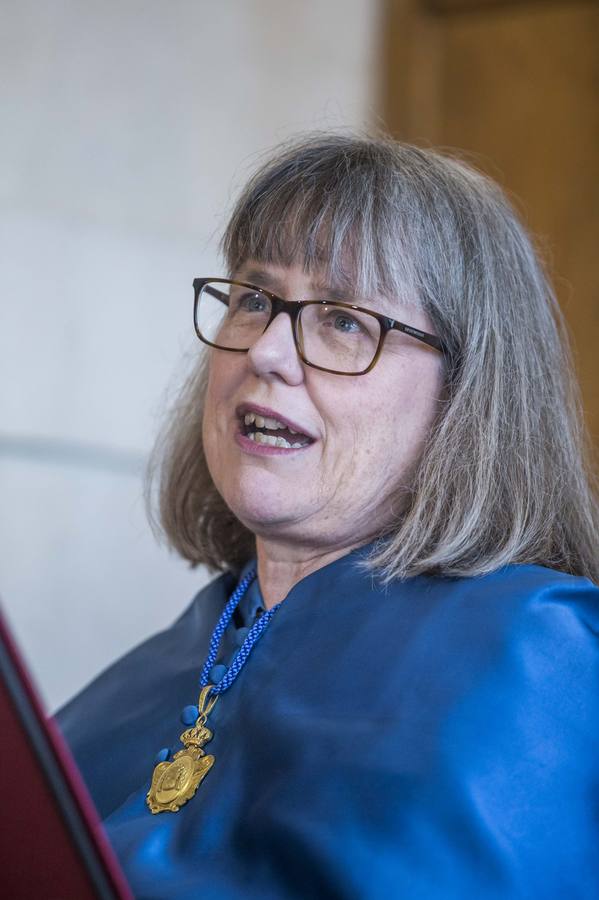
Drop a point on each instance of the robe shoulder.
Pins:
(446, 731)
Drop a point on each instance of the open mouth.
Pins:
(272, 432)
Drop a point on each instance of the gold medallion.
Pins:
(175, 782)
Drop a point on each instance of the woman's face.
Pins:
(366, 431)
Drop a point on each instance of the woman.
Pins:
(403, 703)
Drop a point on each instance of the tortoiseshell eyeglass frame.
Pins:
(293, 308)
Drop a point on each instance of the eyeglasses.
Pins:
(335, 337)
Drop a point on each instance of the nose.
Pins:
(274, 354)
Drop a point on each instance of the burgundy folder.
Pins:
(51, 841)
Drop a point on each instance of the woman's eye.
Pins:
(252, 303)
(347, 324)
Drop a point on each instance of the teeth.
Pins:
(269, 439)
(260, 438)
(265, 422)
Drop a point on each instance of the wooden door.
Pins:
(515, 85)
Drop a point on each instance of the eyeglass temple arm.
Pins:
(220, 295)
(431, 339)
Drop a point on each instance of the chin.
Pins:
(259, 515)
(262, 506)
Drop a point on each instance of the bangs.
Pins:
(328, 213)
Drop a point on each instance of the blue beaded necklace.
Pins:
(244, 651)
(175, 782)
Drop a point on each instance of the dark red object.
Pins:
(51, 840)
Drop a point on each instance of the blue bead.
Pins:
(240, 636)
(217, 672)
(189, 715)
(162, 755)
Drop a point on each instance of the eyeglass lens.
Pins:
(234, 317)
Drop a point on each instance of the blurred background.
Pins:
(127, 129)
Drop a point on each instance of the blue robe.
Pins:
(435, 739)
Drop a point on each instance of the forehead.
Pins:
(317, 284)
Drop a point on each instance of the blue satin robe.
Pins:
(434, 740)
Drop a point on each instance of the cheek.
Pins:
(397, 414)
(216, 380)
(208, 442)
(208, 417)
(420, 409)
(223, 378)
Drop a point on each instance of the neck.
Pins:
(280, 567)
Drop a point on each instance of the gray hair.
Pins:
(503, 477)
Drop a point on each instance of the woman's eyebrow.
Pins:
(335, 292)
(345, 294)
(259, 277)
(323, 290)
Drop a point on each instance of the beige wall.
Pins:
(127, 127)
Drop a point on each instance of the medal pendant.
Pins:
(175, 782)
